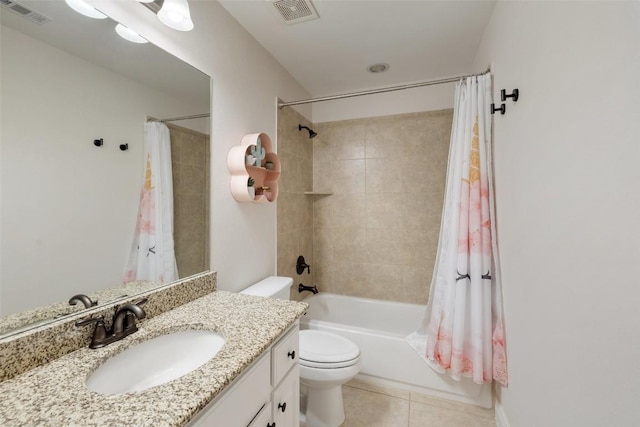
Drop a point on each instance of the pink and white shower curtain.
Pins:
(152, 256)
(462, 333)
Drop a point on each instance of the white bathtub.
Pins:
(379, 328)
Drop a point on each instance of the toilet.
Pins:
(326, 361)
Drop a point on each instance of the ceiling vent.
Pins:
(294, 11)
(25, 12)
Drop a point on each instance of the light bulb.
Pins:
(175, 14)
(83, 8)
(129, 34)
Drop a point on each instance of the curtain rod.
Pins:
(380, 90)
(175, 119)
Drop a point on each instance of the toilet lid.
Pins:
(325, 347)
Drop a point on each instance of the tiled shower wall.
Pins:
(377, 235)
(190, 163)
(295, 209)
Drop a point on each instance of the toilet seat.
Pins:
(326, 350)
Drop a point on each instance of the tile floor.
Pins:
(368, 405)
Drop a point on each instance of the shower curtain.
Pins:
(152, 256)
(462, 332)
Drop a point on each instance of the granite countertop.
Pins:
(56, 395)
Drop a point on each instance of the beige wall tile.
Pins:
(383, 281)
(286, 183)
(416, 282)
(384, 175)
(323, 211)
(387, 175)
(383, 136)
(420, 211)
(340, 140)
(384, 210)
(420, 245)
(348, 210)
(343, 177)
(349, 243)
(190, 169)
(349, 278)
(386, 246)
(295, 209)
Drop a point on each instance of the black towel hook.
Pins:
(515, 94)
(502, 109)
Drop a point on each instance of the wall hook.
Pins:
(502, 109)
(98, 142)
(124, 147)
(514, 95)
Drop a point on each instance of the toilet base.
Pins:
(324, 407)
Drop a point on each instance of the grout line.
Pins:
(379, 392)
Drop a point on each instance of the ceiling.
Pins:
(420, 40)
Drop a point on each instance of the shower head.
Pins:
(312, 134)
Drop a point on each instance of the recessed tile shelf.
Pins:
(317, 193)
(263, 177)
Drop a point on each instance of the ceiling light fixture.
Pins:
(175, 14)
(378, 68)
(129, 34)
(83, 8)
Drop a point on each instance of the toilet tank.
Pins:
(271, 287)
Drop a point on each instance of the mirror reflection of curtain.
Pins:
(152, 256)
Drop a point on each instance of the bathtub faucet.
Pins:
(302, 288)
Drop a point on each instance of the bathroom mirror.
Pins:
(73, 93)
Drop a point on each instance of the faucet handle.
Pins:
(99, 333)
(90, 320)
(140, 301)
(301, 265)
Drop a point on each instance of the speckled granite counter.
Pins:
(55, 394)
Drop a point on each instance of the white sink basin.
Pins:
(154, 362)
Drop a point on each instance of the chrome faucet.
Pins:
(88, 303)
(124, 324)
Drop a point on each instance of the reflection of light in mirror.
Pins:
(145, 1)
(175, 14)
(129, 34)
(83, 8)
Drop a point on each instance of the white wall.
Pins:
(568, 203)
(69, 208)
(426, 98)
(246, 82)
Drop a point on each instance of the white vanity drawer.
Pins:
(285, 400)
(238, 405)
(284, 355)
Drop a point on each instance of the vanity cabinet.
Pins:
(267, 394)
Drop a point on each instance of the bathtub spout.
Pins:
(302, 288)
